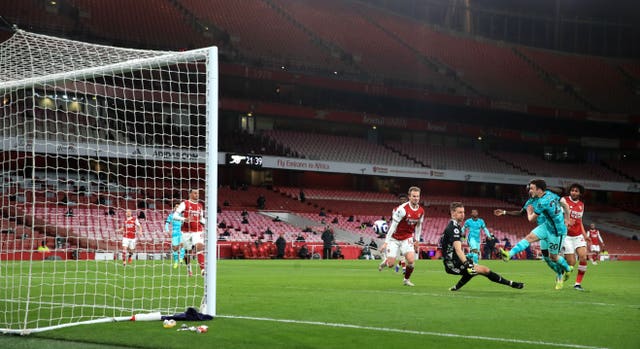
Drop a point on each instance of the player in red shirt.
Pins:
(129, 237)
(401, 263)
(403, 237)
(595, 239)
(576, 240)
(192, 228)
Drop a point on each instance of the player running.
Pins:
(454, 259)
(401, 263)
(475, 225)
(403, 236)
(544, 246)
(553, 230)
(576, 242)
(172, 226)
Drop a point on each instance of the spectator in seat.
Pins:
(277, 219)
(142, 215)
(111, 212)
(301, 196)
(335, 220)
(507, 243)
(260, 202)
(322, 213)
(304, 253)
(222, 224)
(337, 253)
(373, 245)
(244, 220)
(43, 246)
(366, 253)
(281, 244)
(300, 238)
(69, 212)
(360, 241)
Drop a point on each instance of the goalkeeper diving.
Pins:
(456, 262)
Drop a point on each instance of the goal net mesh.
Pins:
(88, 132)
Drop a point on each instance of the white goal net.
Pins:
(89, 133)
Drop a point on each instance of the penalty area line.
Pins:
(421, 333)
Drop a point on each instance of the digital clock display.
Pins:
(244, 159)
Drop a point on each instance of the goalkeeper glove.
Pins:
(468, 264)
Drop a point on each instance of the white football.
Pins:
(380, 227)
(168, 323)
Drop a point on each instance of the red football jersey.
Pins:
(594, 236)
(407, 219)
(130, 225)
(576, 210)
(193, 211)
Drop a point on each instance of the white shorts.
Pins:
(129, 243)
(571, 243)
(191, 239)
(402, 246)
(595, 248)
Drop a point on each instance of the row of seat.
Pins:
(356, 38)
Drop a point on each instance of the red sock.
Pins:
(200, 256)
(407, 274)
(582, 268)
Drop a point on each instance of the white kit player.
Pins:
(595, 239)
(191, 213)
(403, 237)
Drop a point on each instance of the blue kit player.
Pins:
(173, 226)
(551, 229)
(475, 225)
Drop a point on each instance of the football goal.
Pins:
(98, 143)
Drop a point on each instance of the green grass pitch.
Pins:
(349, 304)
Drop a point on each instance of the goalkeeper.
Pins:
(456, 262)
(173, 226)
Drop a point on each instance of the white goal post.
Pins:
(89, 132)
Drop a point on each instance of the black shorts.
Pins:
(454, 267)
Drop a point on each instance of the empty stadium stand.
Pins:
(337, 148)
(351, 37)
(540, 167)
(596, 79)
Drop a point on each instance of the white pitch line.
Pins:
(422, 333)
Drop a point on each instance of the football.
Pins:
(168, 323)
(380, 227)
